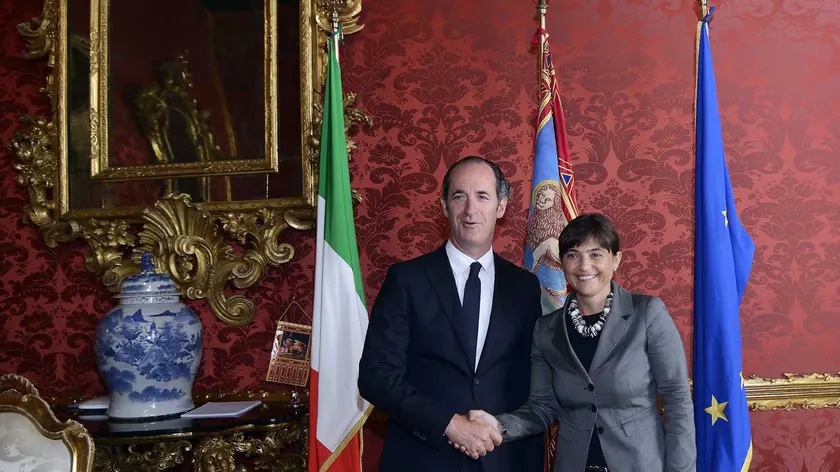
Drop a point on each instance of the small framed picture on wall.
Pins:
(290, 354)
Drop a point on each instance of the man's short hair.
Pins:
(503, 188)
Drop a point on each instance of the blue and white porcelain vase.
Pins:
(149, 348)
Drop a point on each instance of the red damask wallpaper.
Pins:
(442, 79)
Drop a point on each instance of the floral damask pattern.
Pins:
(443, 79)
(796, 441)
(628, 98)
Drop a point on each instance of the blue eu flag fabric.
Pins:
(722, 260)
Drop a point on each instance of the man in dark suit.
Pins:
(451, 331)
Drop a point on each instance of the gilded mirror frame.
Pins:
(100, 163)
(193, 242)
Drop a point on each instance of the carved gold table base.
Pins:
(271, 452)
(274, 451)
(162, 455)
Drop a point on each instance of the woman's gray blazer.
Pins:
(639, 355)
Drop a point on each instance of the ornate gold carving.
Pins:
(275, 451)
(158, 103)
(352, 116)
(40, 39)
(98, 85)
(217, 454)
(23, 398)
(197, 252)
(277, 448)
(38, 169)
(331, 13)
(108, 240)
(19, 384)
(806, 391)
(162, 455)
(187, 244)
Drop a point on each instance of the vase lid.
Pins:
(148, 282)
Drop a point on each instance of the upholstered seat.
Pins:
(31, 437)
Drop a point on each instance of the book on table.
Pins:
(222, 409)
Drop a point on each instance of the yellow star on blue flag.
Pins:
(716, 410)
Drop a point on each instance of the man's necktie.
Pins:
(470, 309)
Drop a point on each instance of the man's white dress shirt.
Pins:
(460, 264)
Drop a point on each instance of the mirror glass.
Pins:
(186, 84)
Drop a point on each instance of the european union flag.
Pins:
(722, 258)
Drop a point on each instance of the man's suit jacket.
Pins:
(415, 366)
(639, 354)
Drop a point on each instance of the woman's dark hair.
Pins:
(594, 226)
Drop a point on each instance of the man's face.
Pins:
(473, 207)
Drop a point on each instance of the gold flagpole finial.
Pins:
(335, 22)
(704, 8)
(542, 6)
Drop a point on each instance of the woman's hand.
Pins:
(487, 422)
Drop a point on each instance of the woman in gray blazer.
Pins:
(597, 365)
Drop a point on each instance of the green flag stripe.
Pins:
(334, 176)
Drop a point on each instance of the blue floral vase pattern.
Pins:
(149, 348)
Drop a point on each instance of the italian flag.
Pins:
(337, 411)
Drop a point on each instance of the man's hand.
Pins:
(473, 438)
(482, 416)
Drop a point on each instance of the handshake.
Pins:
(475, 434)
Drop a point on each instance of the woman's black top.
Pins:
(585, 350)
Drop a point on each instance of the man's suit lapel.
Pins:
(615, 328)
(440, 276)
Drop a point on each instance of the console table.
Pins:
(271, 437)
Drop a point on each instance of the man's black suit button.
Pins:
(600, 430)
(590, 387)
(476, 381)
(593, 408)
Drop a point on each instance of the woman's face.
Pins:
(589, 268)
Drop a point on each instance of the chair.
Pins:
(32, 439)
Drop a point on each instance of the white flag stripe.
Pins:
(340, 323)
(319, 284)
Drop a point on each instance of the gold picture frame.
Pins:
(192, 242)
(290, 354)
(805, 391)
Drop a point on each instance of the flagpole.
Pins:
(542, 6)
(703, 8)
(335, 23)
